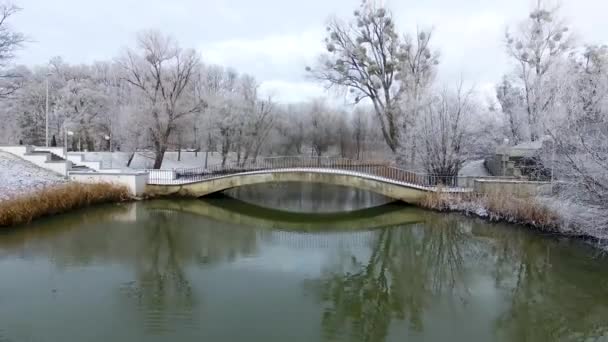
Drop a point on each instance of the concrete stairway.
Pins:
(42, 158)
(81, 168)
(50, 158)
(79, 159)
(56, 160)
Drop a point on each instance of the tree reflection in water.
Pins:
(411, 269)
(555, 294)
(407, 266)
(169, 243)
(162, 288)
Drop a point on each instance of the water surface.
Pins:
(225, 270)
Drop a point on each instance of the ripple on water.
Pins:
(165, 303)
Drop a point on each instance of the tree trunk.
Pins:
(158, 159)
(225, 149)
(131, 156)
(159, 154)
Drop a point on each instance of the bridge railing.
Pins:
(381, 170)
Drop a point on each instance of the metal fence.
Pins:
(372, 169)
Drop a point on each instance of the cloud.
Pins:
(288, 92)
(273, 56)
(274, 40)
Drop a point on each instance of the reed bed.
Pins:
(58, 199)
(496, 208)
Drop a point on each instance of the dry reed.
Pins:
(495, 207)
(58, 199)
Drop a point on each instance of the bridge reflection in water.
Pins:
(240, 213)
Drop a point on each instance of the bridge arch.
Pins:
(399, 191)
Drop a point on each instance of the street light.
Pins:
(109, 140)
(67, 133)
(46, 110)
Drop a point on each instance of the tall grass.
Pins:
(496, 207)
(58, 199)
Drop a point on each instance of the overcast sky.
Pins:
(275, 39)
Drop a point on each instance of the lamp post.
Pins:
(67, 133)
(46, 110)
(109, 140)
(65, 138)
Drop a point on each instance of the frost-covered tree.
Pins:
(322, 127)
(367, 57)
(360, 127)
(10, 42)
(163, 74)
(290, 130)
(259, 125)
(581, 140)
(443, 131)
(537, 47)
(512, 101)
(419, 69)
(30, 103)
(83, 105)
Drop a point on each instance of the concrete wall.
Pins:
(398, 192)
(18, 150)
(513, 188)
(44, 161)
(500, 165)
(60, 167)
(78, 159)
(60, 151)
(135, 182)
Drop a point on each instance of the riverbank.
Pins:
(58, 199)
(545, 215)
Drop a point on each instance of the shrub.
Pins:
(59, 199)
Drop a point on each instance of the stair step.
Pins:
(54, 157)
(82, 168)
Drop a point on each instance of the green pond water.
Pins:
(296, 263)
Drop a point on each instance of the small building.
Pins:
(522, 160)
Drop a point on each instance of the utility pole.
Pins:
(46, 110)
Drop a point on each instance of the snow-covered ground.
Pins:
(193, 160)
(18, 177)
(145, 160)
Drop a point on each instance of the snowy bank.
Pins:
(19, 177)
(542, 213)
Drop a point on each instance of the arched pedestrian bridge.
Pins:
(382, 178)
